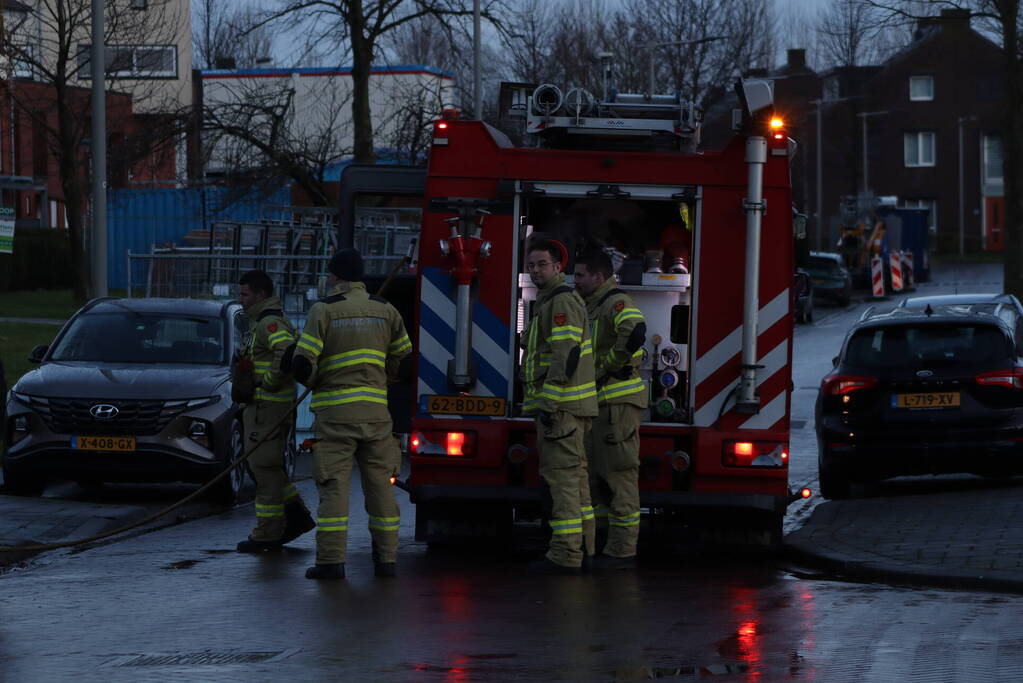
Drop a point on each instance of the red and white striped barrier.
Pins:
(907, 269)
(877, 276)
(895, 263)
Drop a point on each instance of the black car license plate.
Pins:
(103, 443)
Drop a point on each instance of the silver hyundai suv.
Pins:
(130, 390)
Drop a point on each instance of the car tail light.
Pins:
(437, 442)
(755, 454)
(1011, 378)
(839, 385)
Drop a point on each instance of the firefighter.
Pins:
(557, 370)
(348, 352)
(281, 516)
(619, 332)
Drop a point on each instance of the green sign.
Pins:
(6, 230)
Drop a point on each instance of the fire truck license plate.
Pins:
(103, 443)
(945, 399)
(465, 405)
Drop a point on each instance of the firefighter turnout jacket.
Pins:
(557, 368)
(619, 332)
(270, 336)
(354, 342)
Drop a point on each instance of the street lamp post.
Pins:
(98, 243)
(477, 67)
(651, 47)
(962, 188)
(866, 177)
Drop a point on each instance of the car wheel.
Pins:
(290, 453)
(228, 490)
(20, 484)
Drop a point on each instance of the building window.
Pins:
(831, 88)
(930, 205)
(132, 61)
(919, 149)
(993, 171)
(921, 88)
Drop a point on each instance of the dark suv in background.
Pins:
(923, 391)
(130, 390)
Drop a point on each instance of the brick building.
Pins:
(922, 127)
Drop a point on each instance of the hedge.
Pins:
(41, 260)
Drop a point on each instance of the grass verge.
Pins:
(40, 303)
(16, 340)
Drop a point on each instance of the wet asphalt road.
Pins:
(179, 604)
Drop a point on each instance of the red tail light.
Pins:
(437, 442)
(754, 454)
(1011, 378)
(839, 385)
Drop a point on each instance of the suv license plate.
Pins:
(103, 443)
(943, 399)
(466, 405)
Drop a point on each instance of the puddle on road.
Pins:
(183, 564)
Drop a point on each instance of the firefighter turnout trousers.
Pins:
(563, 467)
(273, 490)
(373, 446)
(614, 462)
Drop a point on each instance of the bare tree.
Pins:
(52, 44)
(258, 129)
(354, 28)
(227, 35)
(853, 33)
(1001, 20)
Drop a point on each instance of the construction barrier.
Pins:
(895, 264)
(877, 276)
(907, 269)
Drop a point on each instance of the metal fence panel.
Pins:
(139, 219)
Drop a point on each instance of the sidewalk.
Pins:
(37, 521)
(964, 534)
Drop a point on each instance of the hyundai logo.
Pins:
(924, 373)
(103, 411)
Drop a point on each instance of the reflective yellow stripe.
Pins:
(587, 511)
(290, 492)
(310, 343)
(627, 314)
(354, 357)
(572, 393)
(401, 344)
(352, 395)
(331, 523)
(567, 526)
(624, 388)
(586, 348)
(277, 337)
(282, 396)
(566, 333)
(384, 523)
(269, 510)
(628, 520)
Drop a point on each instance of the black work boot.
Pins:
(297, 521)
(587, 565)
(326, 571)
(385, 569)
(609, 562)
(546, 566)
(252, 546)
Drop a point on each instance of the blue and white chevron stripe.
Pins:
(490, 342)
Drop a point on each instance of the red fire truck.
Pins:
(702, 241)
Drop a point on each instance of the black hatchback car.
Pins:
(931, 391)
(130, 390)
